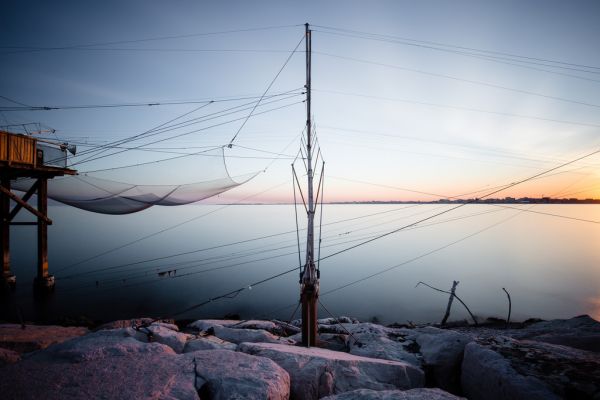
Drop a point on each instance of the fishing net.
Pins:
(109, 196)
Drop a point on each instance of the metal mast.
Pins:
(309, 282)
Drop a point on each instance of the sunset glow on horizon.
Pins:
(466, 102)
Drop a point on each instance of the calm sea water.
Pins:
(550, 265)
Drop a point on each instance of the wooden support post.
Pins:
(309, 299)
(23, 204)
(25, 199)
(7, 277)
(43, 280)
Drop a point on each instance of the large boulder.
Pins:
(442, 354)
(505, 368)
(124, 376)
(329, 321)
(438, 351)
(377, 341)
(205, 324)
(412, 394)
(209, 325)
(8, 357)
(318, 372)
(130, 323)
(166, 334)
(113, 364)
(100, 344)
(581, 332)
(331, 341)
(223, 374)
(246, 335)
(208, 343)
(268, 326)
(26, 338)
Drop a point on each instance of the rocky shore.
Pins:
(231, 359)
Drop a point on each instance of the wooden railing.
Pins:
(17, 149)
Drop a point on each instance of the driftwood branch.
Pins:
(450, 299)
(509, 307)
(452, 294)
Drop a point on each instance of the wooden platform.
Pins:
(21, 156)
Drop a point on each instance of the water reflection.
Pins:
(548, 264)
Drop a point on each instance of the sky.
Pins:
(411, 100)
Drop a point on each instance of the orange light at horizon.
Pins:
(595, 307)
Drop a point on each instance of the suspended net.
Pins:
(108, 196)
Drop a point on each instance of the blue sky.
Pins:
(395, 113)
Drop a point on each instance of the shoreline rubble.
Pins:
(255, 359)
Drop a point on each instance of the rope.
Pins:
(338, 322)
(265, 92)
(297, 227)
(322, 184)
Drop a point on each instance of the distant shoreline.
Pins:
(507, 200)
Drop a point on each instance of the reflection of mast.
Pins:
(309, 281)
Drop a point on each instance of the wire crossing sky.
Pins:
(431, 96)
(411, 100)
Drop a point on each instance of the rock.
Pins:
(331, 341)
(206, 324)
(377, 341)
(110, 364)
(581, 332)
(208, 343)
(442, 351)
(223, 374)
(246, 335)
(329, 321)
(8, 357)
(505, 368)
(130, 323)
(35, 337)
(380, 345)
(268, 326)
(318, 372)
(339, 320)
(124, 376)
(101, 344)
(412, 394)
(364, 327)
(163, 333)
(288, 329)
(438, 351)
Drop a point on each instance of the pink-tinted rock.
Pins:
(318, 372)
(208, 343)
(111, 364)
(442, 354)
(166, 334)
(126, 377)
(412, 394)
(581, 332)
(247, 335)
(8, 357)
(101, 344)
(224, 374)
(486, 374)
(35, 337)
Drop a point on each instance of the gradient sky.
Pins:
(428, 120)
